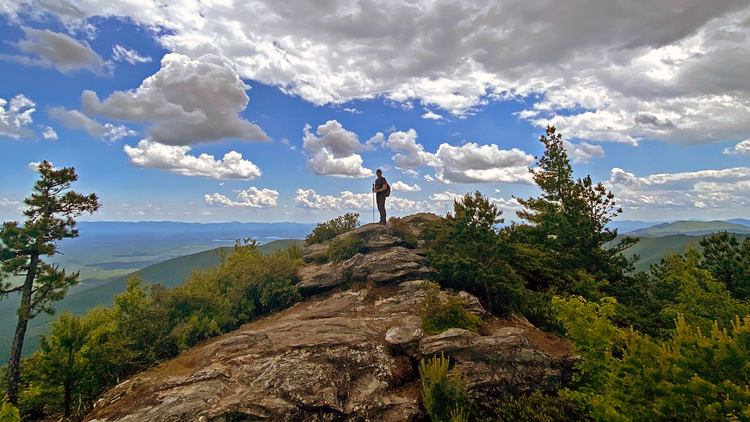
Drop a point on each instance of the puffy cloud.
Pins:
(310, 200)
(188, 101)
(400, 186)
(49, 134)
(15, 119)
(742, 148)
(468, 163)
(251, 198)
(121, 53)
(55, 49)
(74, 119)
(508, 206)
(720, 189)
(150, 154)
(34, 165)
(352, 110)
(332, 151)
(447, 197)
(432, 115)
(583, 153)
(428, 178)
(605, 71)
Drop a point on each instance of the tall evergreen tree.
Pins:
(570, 217)
(721, 256)
(49, 219)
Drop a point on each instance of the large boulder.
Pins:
(319, 278)
(389, 265)
(505, 363)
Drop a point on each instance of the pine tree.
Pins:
(570, 217)
(49, 219)
(721, 256)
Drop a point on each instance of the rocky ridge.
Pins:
(350, 354)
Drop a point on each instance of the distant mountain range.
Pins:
(690, 228)
(629, 226)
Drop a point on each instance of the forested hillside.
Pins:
(170, 273)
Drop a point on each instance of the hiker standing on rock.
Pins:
(383, 190)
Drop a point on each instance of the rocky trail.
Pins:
(349, 352)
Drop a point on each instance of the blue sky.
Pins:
(316, 97)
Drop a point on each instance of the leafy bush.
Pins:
(438, 316)
(333, 228)
(8, 413)
(536, 407)
(342, 249)
(444, 398)
(402, 230)
(626, 376)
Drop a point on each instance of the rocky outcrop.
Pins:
(346, 357)
(385, 260)
(349, 356)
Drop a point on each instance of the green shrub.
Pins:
(342, 249)
(626, 376)
(333, 228)
(8, 413)
(438, 316)
(444, 398)
(321, 259)
(402, 230)
(536, 407)
(293, 251)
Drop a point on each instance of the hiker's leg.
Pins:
(381, 208)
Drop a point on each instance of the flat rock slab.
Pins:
(389, 266)
(503, 364)
(319, 278)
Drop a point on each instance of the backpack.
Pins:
(388, 190)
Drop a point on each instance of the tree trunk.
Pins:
(67, 398)
(24, 312)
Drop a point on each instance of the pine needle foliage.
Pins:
(444, 398)
(8, 413)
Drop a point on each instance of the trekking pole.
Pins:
(373, 203)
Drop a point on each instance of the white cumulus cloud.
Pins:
(742, 148)
(16, 117)
(188, 101)
(175, 159)
(250, 198)
(583, 152)
(468, 163)
(74, 119)
(49, 134)
(308, 199)
(332, 151)
(400, 186)
(724, 189)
